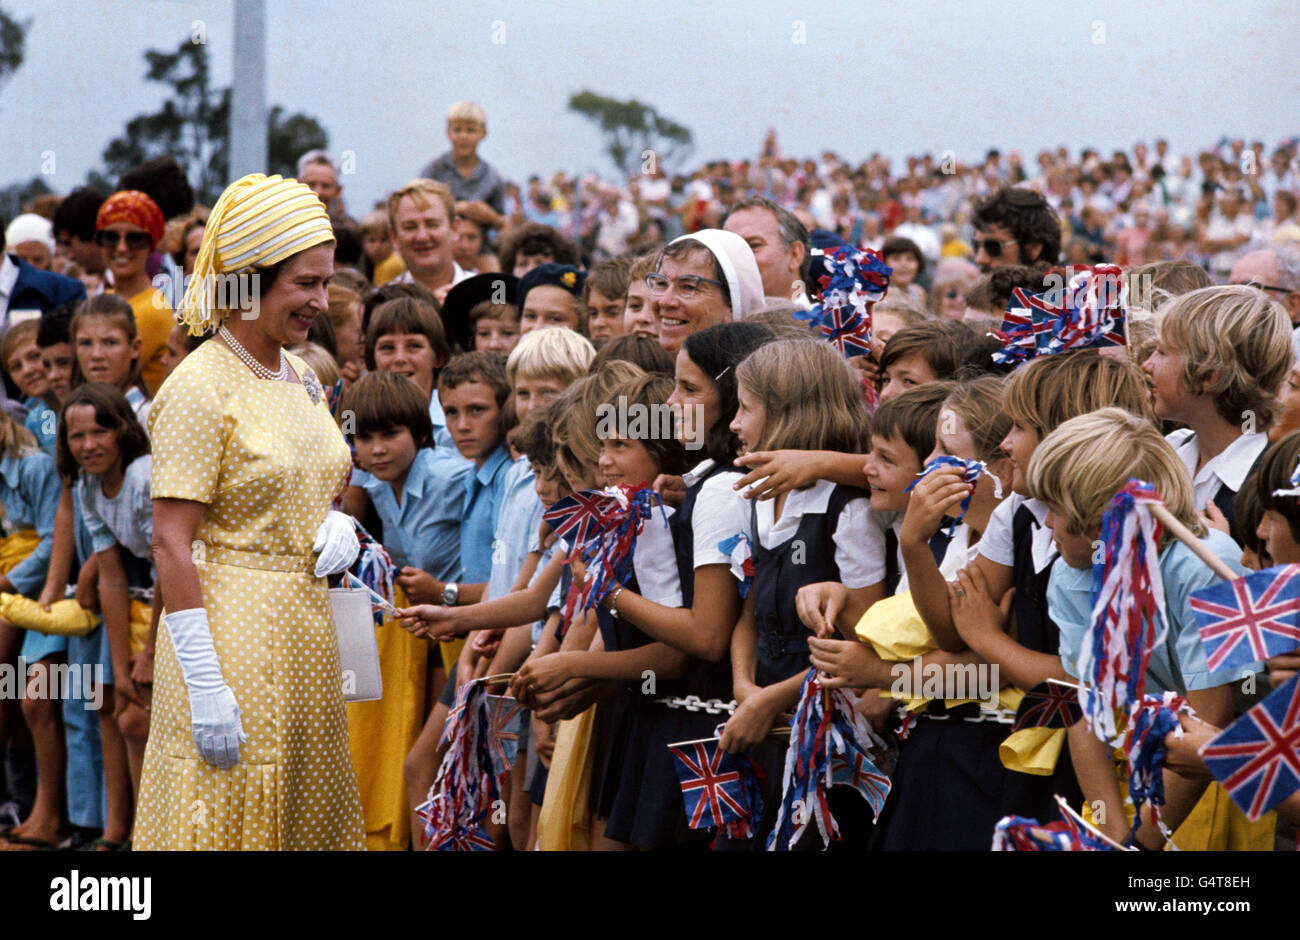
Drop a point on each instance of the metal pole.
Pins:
(248, 126)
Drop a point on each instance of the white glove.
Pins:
(336, 540)
(214, 713)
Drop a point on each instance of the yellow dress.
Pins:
(267, 463)
(384, 731)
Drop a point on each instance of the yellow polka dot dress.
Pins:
(267, 462)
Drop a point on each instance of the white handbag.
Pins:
(358, 648)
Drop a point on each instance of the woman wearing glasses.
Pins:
(129, 226)
(707, 277)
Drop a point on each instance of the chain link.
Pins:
(693, 703)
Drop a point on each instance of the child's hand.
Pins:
(867, 368)
(142, 668)
(935, 496)
(487, 642)
(543, 741)
(546, 673)
(49, 595)
(429, 620)
(350, 372)
(420, 586)
(671, 489)
(818, 605)
(784, 470)
(1215, 519)
(1282, 668)
(749, 725)
(846, 663)
(124, 691)
(973, 612)
(1182, 752)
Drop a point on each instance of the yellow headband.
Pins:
(258, 221)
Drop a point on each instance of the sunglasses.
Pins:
(106, 238)
(992, 246)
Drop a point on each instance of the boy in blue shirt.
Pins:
(1076, 471)
(418, 491)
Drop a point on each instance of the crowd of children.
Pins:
(791, 526)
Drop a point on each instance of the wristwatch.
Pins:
(450, 594)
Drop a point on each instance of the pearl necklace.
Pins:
(259, 370)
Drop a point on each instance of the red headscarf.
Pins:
(135, 207)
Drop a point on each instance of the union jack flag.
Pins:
(849, 332)
(457, 709)
(1018, 834)
(581, 516)
(1249, 619)
(505, 720)
(862, 775)
(712, 786)
(465, 839)
(1257, 757)
(1048, 705)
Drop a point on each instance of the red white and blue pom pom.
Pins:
(374, 568)
(602, 526)
(855, 282)
(1144, 747)
(970, 472)
(1089, 313)
(474, 769)
(828, 746)
(741, 555)
(1127, 610)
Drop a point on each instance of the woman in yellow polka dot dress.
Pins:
(248, 746)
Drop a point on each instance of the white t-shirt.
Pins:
(720, 512)
(655, 561)
(859, 536)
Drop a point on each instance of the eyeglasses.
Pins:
(687, 287)
(107, 238)
(1280, 291)
(993, 246)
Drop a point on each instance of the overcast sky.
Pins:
(899, 77)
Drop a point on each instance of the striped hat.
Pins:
(259, 221)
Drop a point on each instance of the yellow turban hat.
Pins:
(258, 222)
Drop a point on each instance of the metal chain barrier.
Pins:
(693, 703)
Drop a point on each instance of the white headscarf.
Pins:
(29, 227)
(733, 254)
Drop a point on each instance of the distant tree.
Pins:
(632, 128)
(17, 195)
(13, 36)
(193, 126)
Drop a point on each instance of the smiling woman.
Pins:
(248, 710)
(128, 227)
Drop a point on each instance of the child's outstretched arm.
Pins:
(443, 623)
(702, 630)
(787, 470)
